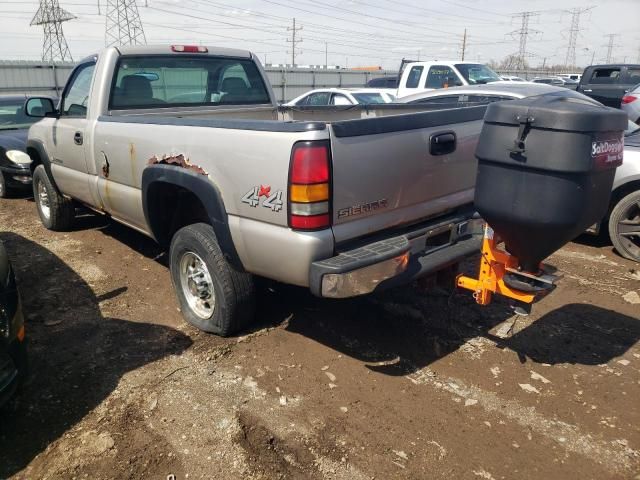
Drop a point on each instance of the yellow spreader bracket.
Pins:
(494, 265)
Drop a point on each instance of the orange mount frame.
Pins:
(493, 266)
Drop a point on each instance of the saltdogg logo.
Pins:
(604, 147)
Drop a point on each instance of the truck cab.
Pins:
(608, 83)
(424, 76)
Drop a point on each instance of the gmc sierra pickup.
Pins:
(188, 145)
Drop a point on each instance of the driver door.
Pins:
(68, 165)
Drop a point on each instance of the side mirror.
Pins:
(40, 107)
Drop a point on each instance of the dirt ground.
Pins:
(407, 384)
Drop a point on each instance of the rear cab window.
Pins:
(605, 76)
(157, 81)
(413, 79)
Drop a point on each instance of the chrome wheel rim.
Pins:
(197, 286)
(43, 201)
(629, 229)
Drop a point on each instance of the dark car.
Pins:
(383, 82)
(13, 356)
(609, 83)
(15, 174)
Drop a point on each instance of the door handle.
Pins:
(77, 138)
(442, 143)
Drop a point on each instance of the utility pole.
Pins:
(51, 16)
(294, 30)
(464, 44)
(326, 56)
(610, 46)
(593, 57)
(570, 59)
(638, 60)
(123, 25)
(524, 33)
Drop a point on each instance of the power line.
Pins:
(570, 59)
(51, 16)
(294, 30)
(524, 33)
(610, 46)
(123, 25)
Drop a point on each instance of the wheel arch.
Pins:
(35, 149)
(173, 197)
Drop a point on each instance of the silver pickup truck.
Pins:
(188, 145)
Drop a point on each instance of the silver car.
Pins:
(631, 104)
(623, 218)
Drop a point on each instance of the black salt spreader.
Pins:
(545, 171)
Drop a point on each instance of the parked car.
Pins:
(13, 356)
(383, 82)
(560, 81)
(342, 96)
(631, 104)
(511, 78)
(424, 76)
(571, 76)
(235, 188)
(623, 218)
(15, 174)
(609, 83)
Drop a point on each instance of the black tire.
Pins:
(624, 226)
(3, 187)
(233, 305)
(62, 211)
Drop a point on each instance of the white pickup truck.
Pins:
(188, 145)
(418, 77)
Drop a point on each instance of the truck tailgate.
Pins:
(396, 170)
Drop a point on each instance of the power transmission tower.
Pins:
(570, 59)
(123, 24)
(524, 33)
(294, 41)
(464, 44)
(51, 16)
(610, 46)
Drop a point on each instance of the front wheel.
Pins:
(56, 212)
(624, 226)
(213, 296)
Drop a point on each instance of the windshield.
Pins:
(368, 98)
(157, 81)
(12, 116)
(476, 73)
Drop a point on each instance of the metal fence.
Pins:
(288, 83)
(49, 79)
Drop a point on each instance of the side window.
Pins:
(339, 99)
(440, 102)
(476, 100)
(633, 76)
(74, 101)
(440, 76)
(413, 79)
(318, 99)
(605, 76)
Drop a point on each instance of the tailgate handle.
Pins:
(442, 143)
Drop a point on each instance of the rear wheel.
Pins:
(56, 212)
(624, 226)
(213, 296)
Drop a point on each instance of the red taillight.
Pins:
(310, 164)
(629, 99)
(309, 186)
(189, 49)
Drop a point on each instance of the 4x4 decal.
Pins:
(272, 200)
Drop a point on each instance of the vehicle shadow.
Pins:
(403, 330)
(76, 355)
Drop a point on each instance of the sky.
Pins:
(350, 33)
